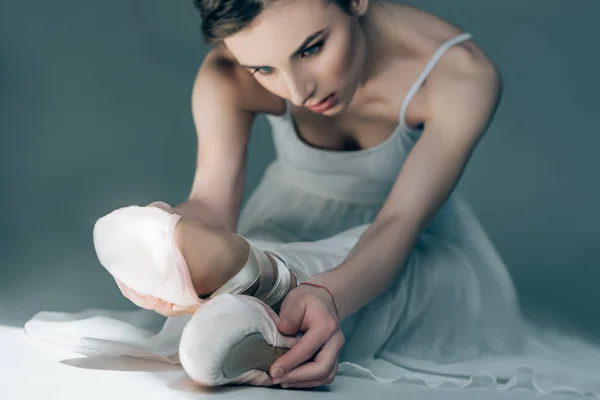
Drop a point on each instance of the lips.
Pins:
(322, 101)
(325, 104)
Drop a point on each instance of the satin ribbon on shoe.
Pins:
(258, 267)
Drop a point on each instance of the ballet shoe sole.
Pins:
(252, 352)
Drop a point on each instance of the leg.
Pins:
(305, 259)
(159, 258)
(245, 350)
(215, 257)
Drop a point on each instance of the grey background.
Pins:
(95, 115)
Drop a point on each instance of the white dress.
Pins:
(452, 316)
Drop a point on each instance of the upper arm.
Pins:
(463, 96)
(461, 99)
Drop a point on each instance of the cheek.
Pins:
(355, 51)
(345, 59)
(341, 64)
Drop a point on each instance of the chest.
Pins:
(350, 135)
(370, 122)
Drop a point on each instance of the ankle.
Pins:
(293, 282)
(215, 257)
(212, 257)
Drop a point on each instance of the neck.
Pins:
(376, 55)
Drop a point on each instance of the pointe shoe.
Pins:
(136, 245)
(232, 339)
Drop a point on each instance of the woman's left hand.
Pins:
(310, 310)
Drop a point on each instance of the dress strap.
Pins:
(427, 70)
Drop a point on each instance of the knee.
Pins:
(448, 277)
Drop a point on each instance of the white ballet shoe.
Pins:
(232, 339)
(137, 247)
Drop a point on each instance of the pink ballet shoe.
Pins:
(136, 245)
(232, 339)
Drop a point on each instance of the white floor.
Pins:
(31, 370)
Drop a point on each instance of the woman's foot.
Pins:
(232, 339)
(158, 257)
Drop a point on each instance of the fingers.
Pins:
(162, 205)
(163, 307)
(132, 295)
(290, 317)
(149, 302)
(314, 338)
(178, 310)
(313, 383)
(319, 370)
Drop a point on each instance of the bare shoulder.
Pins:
(423, 32)
(464, 88)
(463, 68)
(221, 76)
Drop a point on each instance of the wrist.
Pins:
(326, 295)
(201, 212)
(331, 281)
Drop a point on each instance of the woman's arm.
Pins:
(462, 97)
(223, 120)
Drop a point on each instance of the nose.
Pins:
(300, 89)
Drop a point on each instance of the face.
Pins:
(305, 51)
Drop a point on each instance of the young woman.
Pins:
(375, 109)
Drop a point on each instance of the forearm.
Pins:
(425, 182)
(373, 265)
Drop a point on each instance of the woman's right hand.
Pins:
(162, 205)
(154, 303)
(313, 361)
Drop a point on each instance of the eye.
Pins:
(312, 50)
(308, 52)
(263, 71)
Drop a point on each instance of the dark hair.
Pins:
(223, 18)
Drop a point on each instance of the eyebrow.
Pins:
(306, 41)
